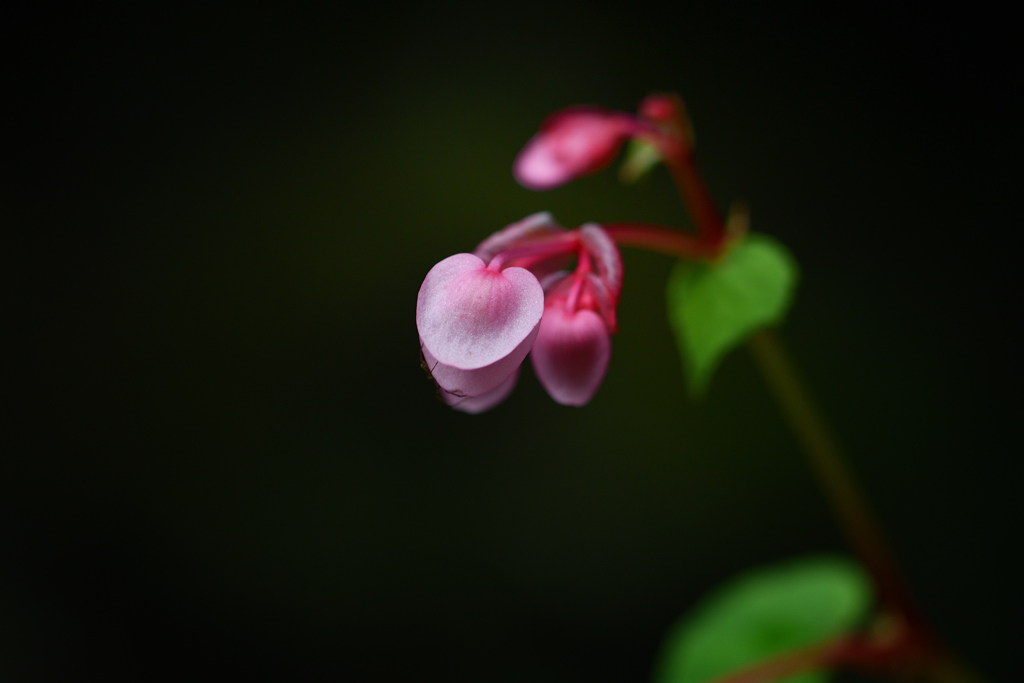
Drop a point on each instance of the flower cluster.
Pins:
(535, 288)
(480, 314)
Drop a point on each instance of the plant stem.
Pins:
(820, 447)
(829, 465)
(674, 141)
(659, 239)
(797, 661)
(690, 182)
(914, 640)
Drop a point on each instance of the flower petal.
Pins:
(478, 404)
(605, 254)
(533, 226)
(571, 354)
(571, 143)
(470, 317)
(598, 294)
(462, 383)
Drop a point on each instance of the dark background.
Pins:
(225, 460)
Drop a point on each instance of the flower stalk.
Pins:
(480, 315)
(660, 239)
(828, 463)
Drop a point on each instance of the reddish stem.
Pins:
(672, 135)
(904, 645)
(829, 465)
(682, 162)
(660, 239)
(895, 650)
(797, 661)
(538, 250)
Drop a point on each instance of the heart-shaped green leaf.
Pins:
(713, 307)
(763, 614)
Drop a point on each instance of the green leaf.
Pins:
(641, 157)
(766, 613)
(713, 307)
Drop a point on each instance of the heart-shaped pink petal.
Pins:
(470, 317)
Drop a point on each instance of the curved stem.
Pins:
(674, 141)
(659, 239)
(777, 668)
(672, 136)
(683, 166)
(536, 250)
(829, 465)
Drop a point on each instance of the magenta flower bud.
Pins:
(476, 324)
(571, 143)
(571, 354)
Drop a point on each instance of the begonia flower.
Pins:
(571, 143)
(534, 288)
(477, 322)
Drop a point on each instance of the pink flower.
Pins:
(477, 322)
(573, 346)
(571, 143)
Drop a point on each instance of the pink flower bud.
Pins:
(571, 354)
(571, 143)
(476, 324)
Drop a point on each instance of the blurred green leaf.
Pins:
(713, 307)
(641, 157)
(766, 613)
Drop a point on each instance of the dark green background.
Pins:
(225, 460)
